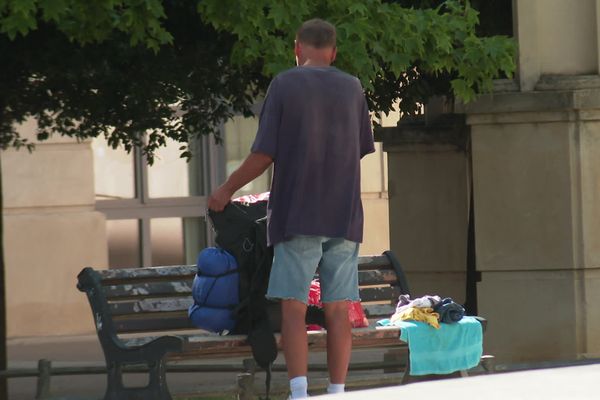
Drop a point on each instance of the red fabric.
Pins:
(355, 311)
(357, 316)
(252, 198)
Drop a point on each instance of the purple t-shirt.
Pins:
(315, 125)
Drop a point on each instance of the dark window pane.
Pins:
(166, 237)
(194, 232)
(123, 243)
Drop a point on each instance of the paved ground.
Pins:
(575, 382)
(572, 383)
(85, 350)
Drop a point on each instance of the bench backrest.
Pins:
(157, 298)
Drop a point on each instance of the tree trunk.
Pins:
(3, 381)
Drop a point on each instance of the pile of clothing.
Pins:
(429, 309)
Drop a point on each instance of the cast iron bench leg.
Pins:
(114, 382)
(158, 380)
(156, 390)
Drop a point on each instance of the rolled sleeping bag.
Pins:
(215, 290)
(211, 319)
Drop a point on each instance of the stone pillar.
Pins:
(556, 37)
(428, 204)
(536, 166)
(51, 232)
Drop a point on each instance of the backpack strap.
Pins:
(268, 380)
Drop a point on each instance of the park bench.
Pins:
(141, 318)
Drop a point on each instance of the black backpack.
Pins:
(241, 230)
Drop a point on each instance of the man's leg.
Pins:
(294, 266)
(339, 340)
(293, 337)
(339, 284)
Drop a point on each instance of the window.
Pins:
(144, 203)
(113, 162)
(156, 214)
(239, 134)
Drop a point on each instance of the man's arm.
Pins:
(252, 167)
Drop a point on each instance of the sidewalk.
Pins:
(572, 383)
(579, 382)
(86, 350)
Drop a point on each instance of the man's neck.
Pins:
(315, 63)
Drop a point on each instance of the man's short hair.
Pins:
(316, 33)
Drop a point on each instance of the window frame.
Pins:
(143, 208)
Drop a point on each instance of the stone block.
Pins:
(588, 172)
(539, 315)
(53, 175)
(428, 208)
(523, 195)
(43, 254)
(588, 314)
(443, 284)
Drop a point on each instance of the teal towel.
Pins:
(453, 347)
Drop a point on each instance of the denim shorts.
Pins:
(295, 263)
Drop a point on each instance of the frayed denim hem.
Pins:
(279, 298)
(352, 300)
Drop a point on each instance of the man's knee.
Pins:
(292, 309)
(336, 310)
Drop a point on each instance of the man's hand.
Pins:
(219, 198)
(254, 165)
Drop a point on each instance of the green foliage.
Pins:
(389, 47)
(130, 94)
(139, 71)
(88, 21)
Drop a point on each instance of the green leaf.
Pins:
(52, 10)
(358, 8)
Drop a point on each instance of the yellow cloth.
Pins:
(418, 314)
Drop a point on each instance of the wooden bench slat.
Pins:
(374, 262)
(376, 277)
(154, 322)
(150, 301)
(110, 276)
(182, 304)
(151, 306)
(149, 290)
(183, 288)
(388, 293)
(203, 345)
(379, 311)
(113, 276)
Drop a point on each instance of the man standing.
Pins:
(315, 128)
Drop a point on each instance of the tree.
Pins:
(139, 72)
(399, 53)
(121, 89)
(189, 76)
(67, 62)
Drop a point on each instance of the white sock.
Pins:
(299, 387)
(336, 388)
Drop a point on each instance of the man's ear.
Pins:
(333, 54)
(297, 49)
